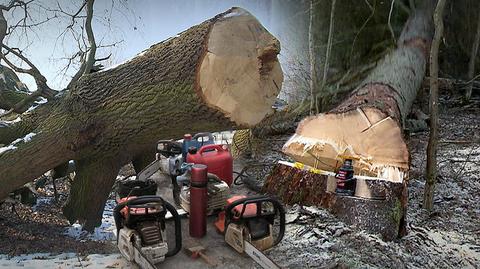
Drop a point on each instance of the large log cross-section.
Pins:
(218, 75)
(368, 125)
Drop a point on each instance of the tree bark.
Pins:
(431, 171)
(12, 90)
(218, 75)
(383, 199)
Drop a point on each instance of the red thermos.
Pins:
(198, 201)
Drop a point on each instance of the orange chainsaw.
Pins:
(248, 223)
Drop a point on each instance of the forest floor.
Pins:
(447, 237)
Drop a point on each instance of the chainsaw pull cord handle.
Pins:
(149, 199)
(258, 200)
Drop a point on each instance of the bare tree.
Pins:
(431, 171)
(311, 53)
(78, 26)
(471, 63)
(327, 52)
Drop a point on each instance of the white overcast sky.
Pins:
(139, 23)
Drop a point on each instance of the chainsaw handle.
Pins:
(178, 229)
(258, 200)
(152, 199)
(170, 148)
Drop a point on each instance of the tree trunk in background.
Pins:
(471, 63)
(431, 172)
(326, 65)
(311, 54)
(215, 76)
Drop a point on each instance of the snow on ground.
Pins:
(64, 260)
(106, 232)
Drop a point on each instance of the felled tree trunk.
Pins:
(378, 206)
(366, 127)
(218, 75)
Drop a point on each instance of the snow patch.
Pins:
(42, 201)
(41, 100)
(18, 119)
(25, 139)
(236, 12)
(64, 260)
(2, 76)
(30, 109)
(106, 232)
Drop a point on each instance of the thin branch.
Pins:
(363, 26)
(311, 52)
(104, 58)
(87, 62)
(329, 49)
(389, 22)
(40, 80)
(90, 61)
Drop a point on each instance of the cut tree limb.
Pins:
(218, 75)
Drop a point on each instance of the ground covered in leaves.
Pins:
(42, 227)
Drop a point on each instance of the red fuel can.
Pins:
(198, 201)
(217, 158)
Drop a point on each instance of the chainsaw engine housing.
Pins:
(252, 220)
(141, 229)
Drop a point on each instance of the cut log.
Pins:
(375, 199)
(218, 75)
(368, 125)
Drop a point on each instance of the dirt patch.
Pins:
(41, 228)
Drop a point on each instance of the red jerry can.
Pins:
(217, 158)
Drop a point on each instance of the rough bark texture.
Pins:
(386, 204)
(110, 118)
(12, 90)
(431, 171)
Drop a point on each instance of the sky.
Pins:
(135, 24)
